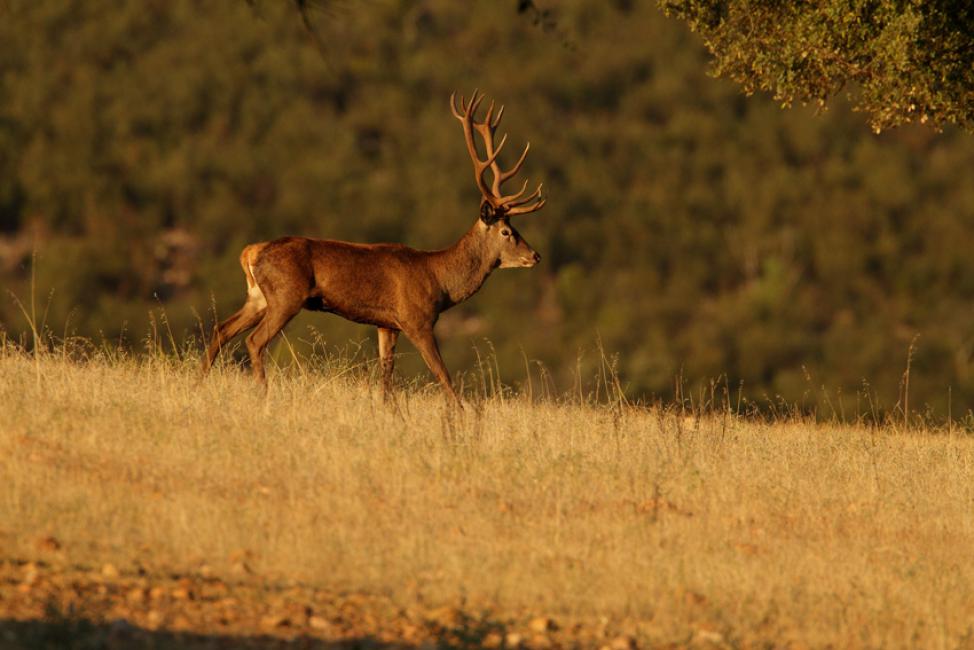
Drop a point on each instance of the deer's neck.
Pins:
(463, 268)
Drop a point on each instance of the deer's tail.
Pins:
(248, 258)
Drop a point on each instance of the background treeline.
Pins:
(693, 231)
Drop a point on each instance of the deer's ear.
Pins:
(487, 213)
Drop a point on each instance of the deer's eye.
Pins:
(506, 233)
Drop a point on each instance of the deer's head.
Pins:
(499, 237)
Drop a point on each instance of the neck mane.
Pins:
(463, 268)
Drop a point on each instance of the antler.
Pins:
(511, 204)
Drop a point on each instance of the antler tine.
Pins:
(500, 176)
(521, 207)
(497, 120)
(475, 101)
(534, 207)
(493, 158)
(512, 198)
(489, 115)
(530, 197)
(517, 166)
(453, 105)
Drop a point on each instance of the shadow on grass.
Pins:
(59, 633)
(86, 635)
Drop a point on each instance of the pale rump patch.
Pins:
(254, 294)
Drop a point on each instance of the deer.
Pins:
(393, 287)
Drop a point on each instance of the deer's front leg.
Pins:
(387, 349)
(425, 342)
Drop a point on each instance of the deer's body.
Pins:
(386, 285)
(390, 286)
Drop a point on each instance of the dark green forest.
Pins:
(692, 232)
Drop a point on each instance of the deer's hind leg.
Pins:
(274, 320)
(245, 318)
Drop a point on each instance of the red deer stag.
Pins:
(391, 286)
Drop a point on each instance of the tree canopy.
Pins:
(902, 60)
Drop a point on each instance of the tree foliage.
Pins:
(904, 61)
(694, 232)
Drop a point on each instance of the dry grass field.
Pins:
(140, 507)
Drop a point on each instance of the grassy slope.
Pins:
(666, 527)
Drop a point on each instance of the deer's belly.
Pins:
(358, 313)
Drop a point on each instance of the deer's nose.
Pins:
(537, 257)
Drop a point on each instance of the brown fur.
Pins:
(391, 286)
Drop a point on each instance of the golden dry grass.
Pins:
(675, 529)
